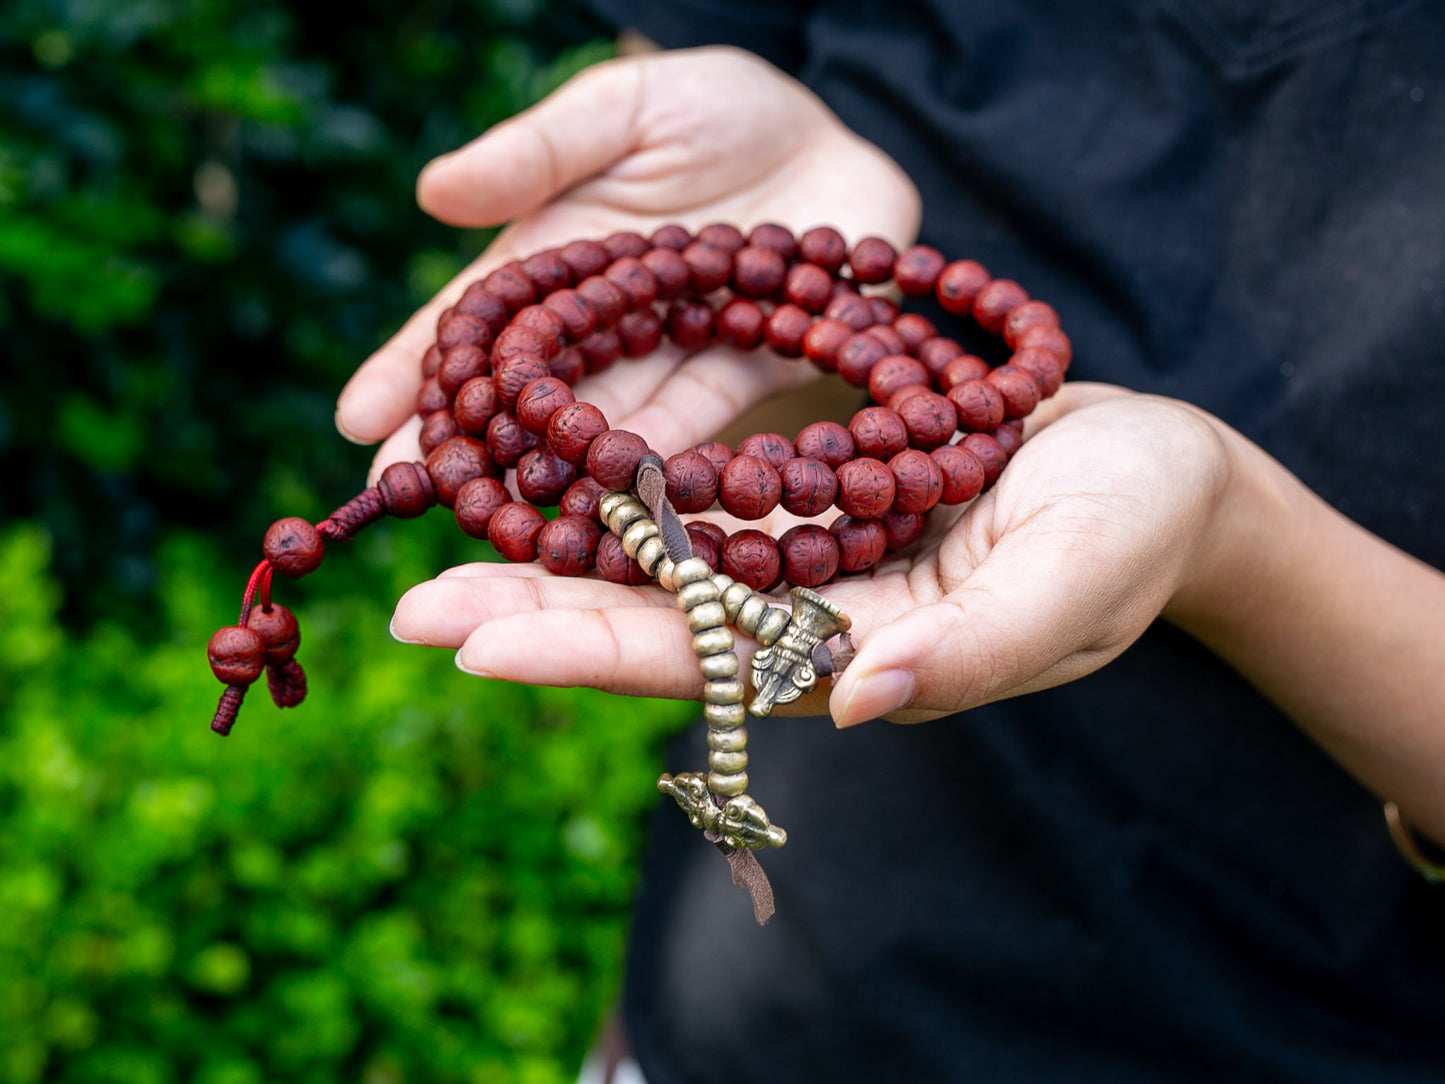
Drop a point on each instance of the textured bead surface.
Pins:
(293, 546)
(455, 463)
(809, 486)
(237, 655)
(861, 542)
(809, 555)
(407, 489)
(513, 531)
(749, 487)
(613, 456)
(751, 558)
(475, 504)
(692, 483)
(567, 545)
(865, 488)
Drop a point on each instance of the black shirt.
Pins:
(1148, 874)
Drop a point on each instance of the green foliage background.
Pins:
(206, 221)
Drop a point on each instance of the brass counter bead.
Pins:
(693, 570)
(666, 573)
(712, 642)
(707, 616)
(753, 610)
(727, 763)
(727, 784)
(651, 553)
(723, 691)
(727, 739)
(610, 502)
(692, 595)
(733, 597)
(720, 666)
(773, 624)
(722, 580)
(638, 533)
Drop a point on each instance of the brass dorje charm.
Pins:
(785, 671)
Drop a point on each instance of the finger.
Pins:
(525, 162)
(445, 611)
(401, 447)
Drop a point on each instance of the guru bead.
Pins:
(407, 489)
(293, 546)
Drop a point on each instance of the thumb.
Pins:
(1020, 622)
(523, 163)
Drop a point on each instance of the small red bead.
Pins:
(712, 530)
(918, 480)
(475, 404)
(520, 341)
(584, 259)
(237, 655)
(636, 283)
(872, 260)
(513, 530)
(507, 440)
(915, 329)
(723, 236)
(865, 488)
(1050, 339)
(825, 247)
(917, 269)
(740, 324)
(857, 356)
(614, 566)
(808, 286)
(544, 322)
(692, 483)
(906, 392)
(827, 442)
(902, 528)
(462, 328)
(406, 489)
(963, 476)
(575, 312)
(774, 448)
(547, 270)
(456, 462)
(1043, 365)
(809, 487)
(861, 542)
(775, 238)
(878, 433)
(994, 302)
(567, 545)
(853, 310)
(717, 453)
(962, 369)
(476, 502)
(600, 350)
(705, 544)
(608, 302)
(1020, 391)
(431, 361)
(625, 244)
(431, 398)
(613, 457)
(809, 555)
(749, 487)
(989, 454)
(936, 353)
(510, 285)
(582, 498)
(573, 428)
(670, 270)
(279, 630)
(709, 268)
(690, 323)
(979, 405)
(1022, 317)
(892, 373)
(514, 374)
(569, 366)
(640, 332)
(477, 300)
(436, 429)
(543, 476)
(751, 557)
(929, 418)
(758, 272)
(293, 546)
(892, 341)
(786, 329)
(671, 236)
(1010, 437)
(539, 400)
(460, 364)
(884, 310)
(823, 341)
(959, 284)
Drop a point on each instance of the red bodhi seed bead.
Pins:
(1022, 317)
(614, 566)
(436, 429)
(279, 630)
(293, 547)
(406, 489)
(705, 544)
(539, 400)
(514, 374)
(237, 655)
(892, 341)
(573, 428)
(690, 323)
(872, 260)
(1051, 339)
(477, 300)
(884, 311)
(856, 358)
(513, 531)
(459, 364)
(892, 373)
(609, 303)
(1010, 437)
(963, 477)
(995, 301)
(640, 333)
(567, 546)
(853, 310)
(809, 487)
(903, 393)
(865, 488)
(507, 439)
(625, 243)
(709, 268)
(959, 284)
(962, 369)
(823, 340)
(749, 487)
(1020, 390)
(978, 404)
(456, 462)
(431, 361)
(585, 259)
(917, 269)
(751, 557)
(808, 286)
(475, 404)
(827, 442)
(671, 236)
(758, 272)
(825, 247)
(636, 283)
(773, 448)
(712, 530)
(786, 329)
(878, 433)
(692, 483)
(929, 418)
(936, 353)
(582, 498)
(670, 270)
(722, 235)
(599, 350)
(915, 330)
(511, 286)
(543, 476)
(476, 502)
(861, 542)
(462, 329)
(902, 528)
(613, 457)
(1043, 366)
(918, 481)
(718, 454)
(989, 454)
(740, 324)
(776, 238)
(547, 271)
(546, 323)
(809, 555)
(431, 398)
(568, 366)
(575, 312)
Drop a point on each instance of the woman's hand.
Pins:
(694, 136)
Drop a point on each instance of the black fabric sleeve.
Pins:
(773, 29)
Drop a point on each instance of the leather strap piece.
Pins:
(652, 491)
(748, 873)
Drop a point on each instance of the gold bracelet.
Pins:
(1409, 846)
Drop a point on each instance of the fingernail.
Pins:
(877, 695)
(398, 637)
(473, 670)
(347, 433)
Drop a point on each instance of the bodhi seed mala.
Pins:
(497, 397)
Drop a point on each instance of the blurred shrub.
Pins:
(413, 876)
